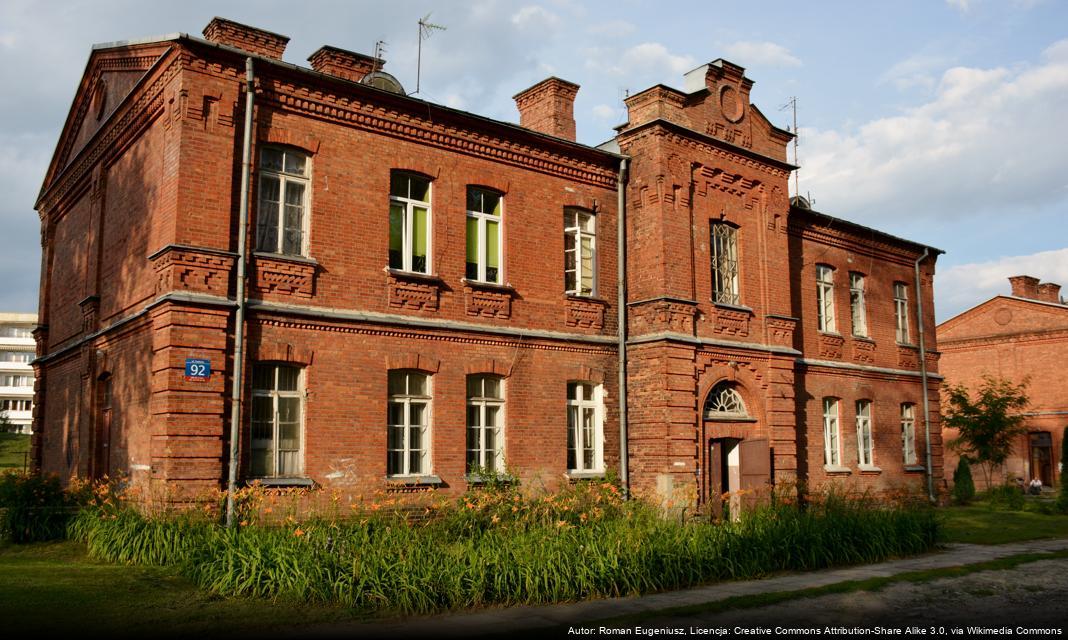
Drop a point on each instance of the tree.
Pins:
(988, 425)
(963, 487)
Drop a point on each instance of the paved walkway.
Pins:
(525, 619)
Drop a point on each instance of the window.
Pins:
(724, 403)
(901, 312)
(16, 332)
(725, 264)
(277, 451)
(409, 222)
(908, 432)
(580, 252)
(15, 381)
(16, 356)
(831, 446)
(281, 216)
(483, 235)
(15, 405)
(485, 415)
(585, 448)
(408, 446)
(825, 299)
(864, 441)
(857, 305)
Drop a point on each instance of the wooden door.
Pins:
(755, 463)
(1042, 457)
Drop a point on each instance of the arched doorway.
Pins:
(738, 464)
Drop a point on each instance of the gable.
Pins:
(1004, 315)
(110, 76)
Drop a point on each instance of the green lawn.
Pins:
(980, 524)
(54, 589)
(13, 450)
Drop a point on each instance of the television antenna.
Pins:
(792, 104)
(426, 29)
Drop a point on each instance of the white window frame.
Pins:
(482, 218)
(274, 393)
(825, 315)
(574, 233)
(858, 305)
(865, 435)
(832, 435)
(410, 204)
(406, 400)
(577, 406)
(485, 404)
(725, 266)
(908, 433)
(284, 178)
(901, 312)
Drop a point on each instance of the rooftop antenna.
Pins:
(792, 103)
(380, 50)
(426, 29)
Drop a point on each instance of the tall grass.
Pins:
(503, 548)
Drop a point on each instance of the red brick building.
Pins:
(1016, 337)
(432, 293)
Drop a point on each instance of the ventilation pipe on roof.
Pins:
(239, 315)
(621, 315)
(923, 375)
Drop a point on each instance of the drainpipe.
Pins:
(923, 375)
(621, 312)
(239, 315)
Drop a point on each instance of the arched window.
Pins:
(725, 403)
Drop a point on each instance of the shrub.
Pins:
(1006, 496)
(34, 508)
(963, 486)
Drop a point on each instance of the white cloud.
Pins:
(7, 40)
(764, 54)
(989, 141)
(964, 6)
(607, 113)
(535, 17)
(963, 286)
(612, 29)
(648, 59)
(915, 71)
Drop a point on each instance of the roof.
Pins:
(854, 226)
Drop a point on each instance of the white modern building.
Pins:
(17, 350)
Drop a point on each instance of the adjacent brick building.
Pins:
(1018, 337)
(433, 293)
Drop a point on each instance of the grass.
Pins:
(52, 589)
(981, 524)
(13, 450)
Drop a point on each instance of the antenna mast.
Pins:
(380, 50)
(792, 103)
(426, 29)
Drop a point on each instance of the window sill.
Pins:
(414, 481)
(477, 479)
(713, 418)
(831, 334)
(401, 274)
(584, 475)
(869, 469)
(733, 307)
(582, 298)
(864, 339)
(838, 470)
(283, 482)
(907, 345)
(491, 286)
(915, 468)
(285, 257)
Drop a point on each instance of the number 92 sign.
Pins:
(197, 369)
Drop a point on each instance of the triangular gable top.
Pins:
(1004, 314)
(111, 74)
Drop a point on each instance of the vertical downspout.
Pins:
(621, 314)
(239, 316)
(923, 375)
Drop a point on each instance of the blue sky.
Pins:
(943, 122)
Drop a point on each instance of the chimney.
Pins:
(1024, 287)
(250, 39)
(344, 64)
(1049, 292)
(549, 107)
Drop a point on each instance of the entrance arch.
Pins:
(738, 465)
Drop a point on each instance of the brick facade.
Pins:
(139, 219)
(1022, 336)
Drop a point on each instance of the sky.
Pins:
(939, 121)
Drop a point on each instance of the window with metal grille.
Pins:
(725, 264)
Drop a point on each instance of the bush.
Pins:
(963, 486)
(1006, 496)
(503, 547)
(34, 508)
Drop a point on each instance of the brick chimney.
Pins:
(549, 107)
(1049, 292)
(1024, 287)
(344, 64)
(246, 38)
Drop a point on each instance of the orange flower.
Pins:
(298, 532)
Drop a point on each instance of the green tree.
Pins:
(988, 424)
(963, 486)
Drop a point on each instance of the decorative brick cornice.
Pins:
(705, 144)
(863, 351)
(584, 312)
(276, 274)
(180, 268)
(730, 321)
(831, 345)
(864, 245)
(488, 302)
